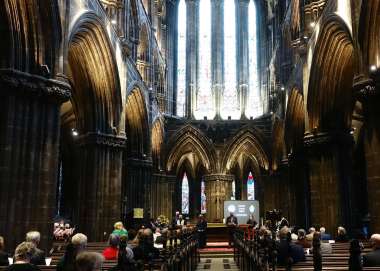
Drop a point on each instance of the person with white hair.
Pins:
(309, 237)
(38, 257)
(89, 261)
(77, 245)
(23, 256)
(372, 259)
(324, 236)
(342, 235)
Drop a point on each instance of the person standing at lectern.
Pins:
(201, 229)
(231, 223)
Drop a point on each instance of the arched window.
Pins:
(185, 194)
(203, 198)
(204, 106)
(250, 187)
(229, 98)
(255, 106)
(181, 59)
(233, 195)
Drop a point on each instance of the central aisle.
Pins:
(217, 257)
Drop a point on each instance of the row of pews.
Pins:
(179, 253)
(253, 255)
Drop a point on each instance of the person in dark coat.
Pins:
(201, 229)
(38, 257)
(355, 263)
(372, 259)
(3, 255)
(231, 223)
(23, 255)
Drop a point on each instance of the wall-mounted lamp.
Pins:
(373, 68)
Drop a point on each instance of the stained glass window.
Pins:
(203, 198)
(254, 106)
(185, 194)
(233, 191)
(229, 105)
(181, 59)
(250, 187)
(204, 106)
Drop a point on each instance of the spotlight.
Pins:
(373, 68)
(282, 88)
(74, 132)
(305, 37)
(113, 21)
(312, 24)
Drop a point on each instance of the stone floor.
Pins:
(211, 263)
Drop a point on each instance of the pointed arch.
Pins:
(294, 120)
(329, 99)
(93, 73)
(157, 141)
(247, 144)
(31, 35)
(189, 142)
(137, 126)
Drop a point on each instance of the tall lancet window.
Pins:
(181, 59)
(203, 198)
(255, 105)
(204, 106)
(185, 194)
(229, 97)
(250, 187)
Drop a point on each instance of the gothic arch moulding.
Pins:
(248, 142)
(189, 143)
(31, 35)
(93, 74)
(294, 121)
(157, 141)
(137, 125)
(329, 99)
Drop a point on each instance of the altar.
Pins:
(218, 232)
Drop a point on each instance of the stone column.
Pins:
(137, 184)
(368, 93)
(100, 201)
(330, 165)
(192, 14)
(217, 53)
(162, 195)
(242, 54)
(29, 145)
(218, 190)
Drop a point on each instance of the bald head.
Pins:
(375, 240)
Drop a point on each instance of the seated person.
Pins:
(145, 250)
(38, 257)
(309, 237)
(302, 239)
(324, 236)
(77, 245)
(372, 259)
(89, 261)
(342, 235)
(110, 253)
(326, 248)
(23, 254)
(3, 255)
(119, 229)
(288, 252)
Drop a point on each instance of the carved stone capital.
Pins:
(100, 139)
(326, 140)
(364, 88)
(219, 177)
(14, 82)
